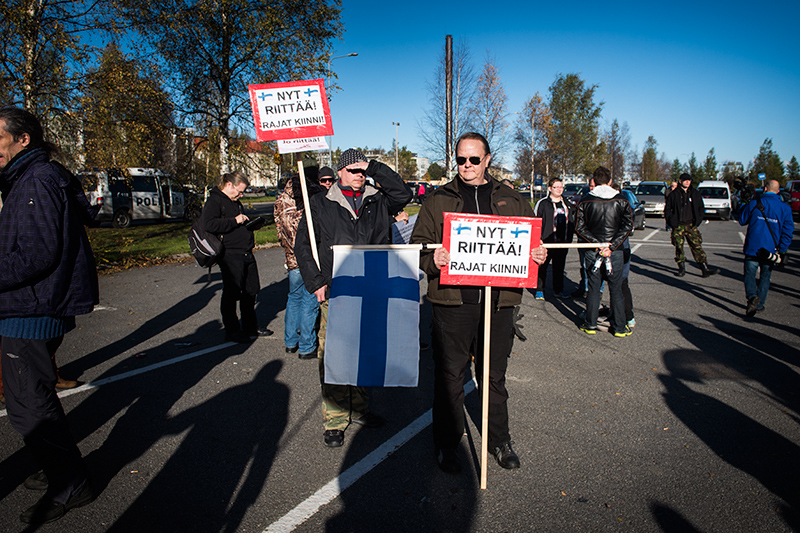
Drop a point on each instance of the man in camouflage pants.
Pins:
(684, 213)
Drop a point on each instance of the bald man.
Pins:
(769, 232)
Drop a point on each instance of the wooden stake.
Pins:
(307, 207)
(487, 335)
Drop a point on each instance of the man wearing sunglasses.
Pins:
(351, 212)
(458, 310)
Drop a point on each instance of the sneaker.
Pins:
(309, 355)
(238, 336)
(539, 295)
(579, 293)
(333, 438)
(623, 333)
(448, 461)
(563, 295)
(760, 309)
(631, 323)
(588, 329)
(369, 420)
(47, 510)
(292, 350)
(752, 305)
(506, 457)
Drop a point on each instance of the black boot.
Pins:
(681, 270)
(707, 270)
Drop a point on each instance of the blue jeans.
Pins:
(751, 286)
(595, 279)
(301, 315)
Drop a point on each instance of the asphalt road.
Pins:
(690, 424)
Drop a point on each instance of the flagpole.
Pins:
(549, 245)
(487, 334)
(307, 208)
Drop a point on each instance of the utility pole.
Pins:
(330, 138)
(396, 149)
(448, 66)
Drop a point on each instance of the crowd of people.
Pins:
(44, 250)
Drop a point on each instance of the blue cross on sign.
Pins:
(762, 176)
(263, 96)
(516, 232)
(309, 92)
(374, 288)
(465, 228)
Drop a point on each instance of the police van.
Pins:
(133, 194)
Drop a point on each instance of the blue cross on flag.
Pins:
(372, 337)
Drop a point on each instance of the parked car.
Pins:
(716, 198)
(793, 188)
(133, 194)
(639, 221)
(574, 192)
(651, 195)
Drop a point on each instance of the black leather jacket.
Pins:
(604, 219)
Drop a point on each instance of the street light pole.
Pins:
(327, 85)
(396, 149)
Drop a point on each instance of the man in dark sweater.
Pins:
(224, 215)
(684, 213)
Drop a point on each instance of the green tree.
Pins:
(128, 116)
(532, 131)
(489, 111)
(618, 140)
(710, 165)
(693, 169)
(676, 170)
(405, 158)
(215, 48)
(650, 160)
(575, 131)
(434, 173)
(793, 170)
(768, 162)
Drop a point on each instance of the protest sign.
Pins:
(490, 250)
(290, 110)
(305, 144)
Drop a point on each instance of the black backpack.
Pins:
(206, 247)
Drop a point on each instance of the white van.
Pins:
(132, 194)
(716, 198)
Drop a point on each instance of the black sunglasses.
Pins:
(324, 180)
(475, 160)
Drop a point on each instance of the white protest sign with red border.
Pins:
(490, 251)
(290, 110)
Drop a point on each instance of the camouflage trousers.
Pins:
(340, 403)
(691, 234)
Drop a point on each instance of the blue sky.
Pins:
(695, 75)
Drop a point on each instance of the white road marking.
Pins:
(652, 234)
(112, 379)
(334, 487)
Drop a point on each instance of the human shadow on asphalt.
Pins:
(407, 491)
(220, 468)
(744, 443)
(152, 327)
(692, 283)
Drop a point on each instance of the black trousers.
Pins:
(239, 284)
(457, 331)
(34, 410)
(558, 257)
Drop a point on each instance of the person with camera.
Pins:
(769, 234)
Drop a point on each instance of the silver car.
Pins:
(651, 194)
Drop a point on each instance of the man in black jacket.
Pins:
(47, 278)
(684, 213)
(351, 212)
(224, 215)
(604, 216)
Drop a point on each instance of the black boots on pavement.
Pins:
(706, 270)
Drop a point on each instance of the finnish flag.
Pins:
(372, 337)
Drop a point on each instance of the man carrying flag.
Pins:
(457, 310)
(352, 212)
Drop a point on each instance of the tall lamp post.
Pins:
(396, 149)
(327, 84)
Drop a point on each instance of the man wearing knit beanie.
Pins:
(352, 212)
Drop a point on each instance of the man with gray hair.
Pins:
(47, 277)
